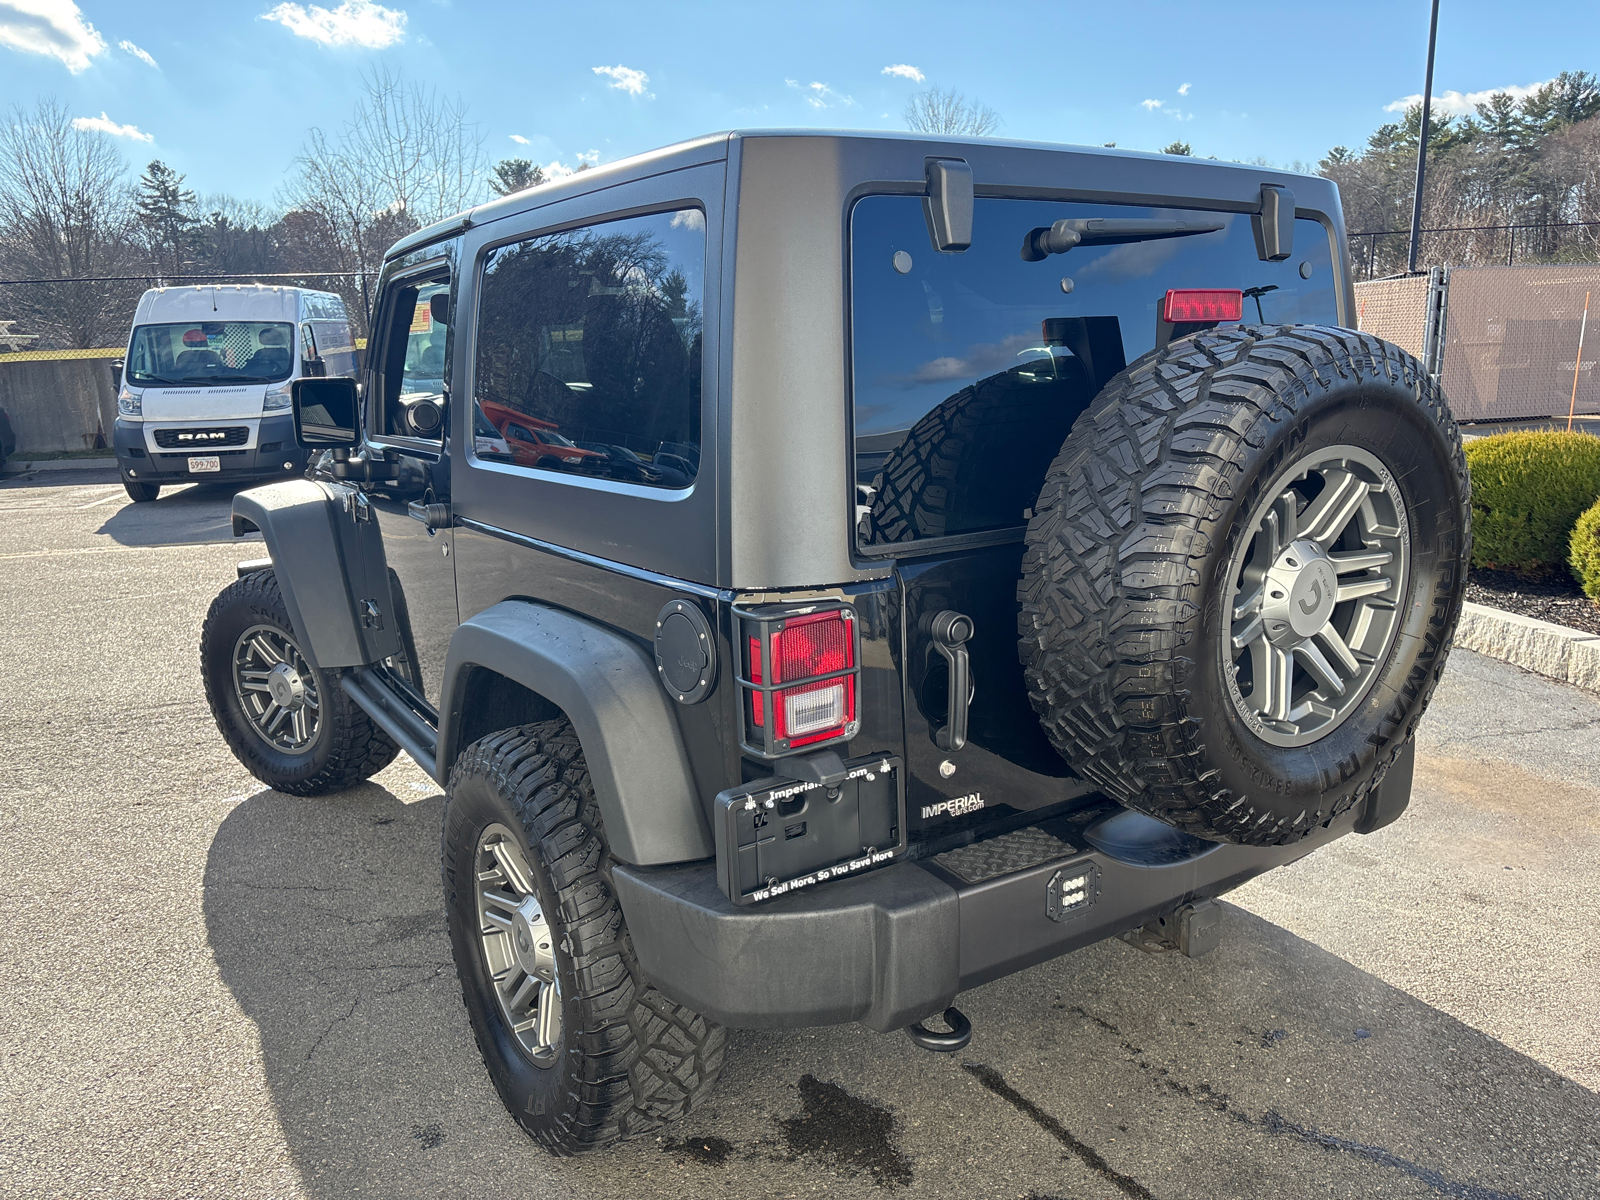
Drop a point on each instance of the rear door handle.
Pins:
(434, 516)
(950, 632)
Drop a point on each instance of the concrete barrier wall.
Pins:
(59, 404)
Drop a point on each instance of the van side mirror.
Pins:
(327, 412)
(439, 308)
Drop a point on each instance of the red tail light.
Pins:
(815, 654)
(1202, 304)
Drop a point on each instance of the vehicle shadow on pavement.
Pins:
(1268, 1068)
(202, 513)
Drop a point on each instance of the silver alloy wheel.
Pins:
(518, 945)
(278, 689)
(1313, 597)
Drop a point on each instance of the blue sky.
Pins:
(224, 92)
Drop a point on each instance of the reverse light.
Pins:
(800, 673)
(1202, 304)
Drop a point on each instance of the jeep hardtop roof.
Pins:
(1201, 179)
(779, 374)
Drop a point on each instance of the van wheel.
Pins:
(290, 723)
(141, 492)
(582, 1050)
(1242, 577)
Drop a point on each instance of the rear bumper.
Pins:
(275, 455)
(892, 946)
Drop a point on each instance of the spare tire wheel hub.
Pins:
(1315, 584)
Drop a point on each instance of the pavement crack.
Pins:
(339, 1020)
(1273, 1123)
(1088, 1155)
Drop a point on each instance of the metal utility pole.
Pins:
(1422, 144)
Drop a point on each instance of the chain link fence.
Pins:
(1510, 350)
(87, 316)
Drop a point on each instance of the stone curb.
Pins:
(1547, 649)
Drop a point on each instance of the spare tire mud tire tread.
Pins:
(1114, 600)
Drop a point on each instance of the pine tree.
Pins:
(167, 214)
(515, 175)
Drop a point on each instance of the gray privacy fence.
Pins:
(1509, 349)
(58, 404)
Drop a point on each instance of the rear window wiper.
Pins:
(1040, 244)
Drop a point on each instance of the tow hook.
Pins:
(944, 1043)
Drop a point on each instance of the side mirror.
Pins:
(326, 412)
(439, 308)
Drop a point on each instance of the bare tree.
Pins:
(415, 149)
(947, 111)
(406, 158)
(66, 212)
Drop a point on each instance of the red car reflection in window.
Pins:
(534, 442)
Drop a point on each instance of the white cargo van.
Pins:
(205, 388)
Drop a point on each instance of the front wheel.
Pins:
(290, 724)
(141, 493)
(582, 1050)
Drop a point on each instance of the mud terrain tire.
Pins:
(627, 1059)
(347, 747)
(1131, 575)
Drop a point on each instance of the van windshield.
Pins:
(199, 353)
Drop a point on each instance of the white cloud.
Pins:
(556, 169)
(905, 71)
(1459, 104)
(353, 23)
(626, 79)
(104, 124)
(54, 28)
(142, 55)
(688, 218)
(1184, 90)
(820, 95)
(1160, 106)
(518, 139)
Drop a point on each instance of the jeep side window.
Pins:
(588, 351)
(414, 362)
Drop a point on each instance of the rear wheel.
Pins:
(1243, 575)
(289, 723)
(141, 492)
(581, 1049)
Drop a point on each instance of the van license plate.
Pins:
(199, 463)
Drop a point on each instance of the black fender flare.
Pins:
(607, 686)
(330, 566)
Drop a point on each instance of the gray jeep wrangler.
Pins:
(829, 572)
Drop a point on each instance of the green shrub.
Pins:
(1527, 492)
(1585, 558)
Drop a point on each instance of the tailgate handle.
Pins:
(951, 631)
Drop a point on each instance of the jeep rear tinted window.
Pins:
(588, 351)
(960, 403)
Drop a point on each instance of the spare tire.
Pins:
(1242, 577)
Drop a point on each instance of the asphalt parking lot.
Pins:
(212, 989)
